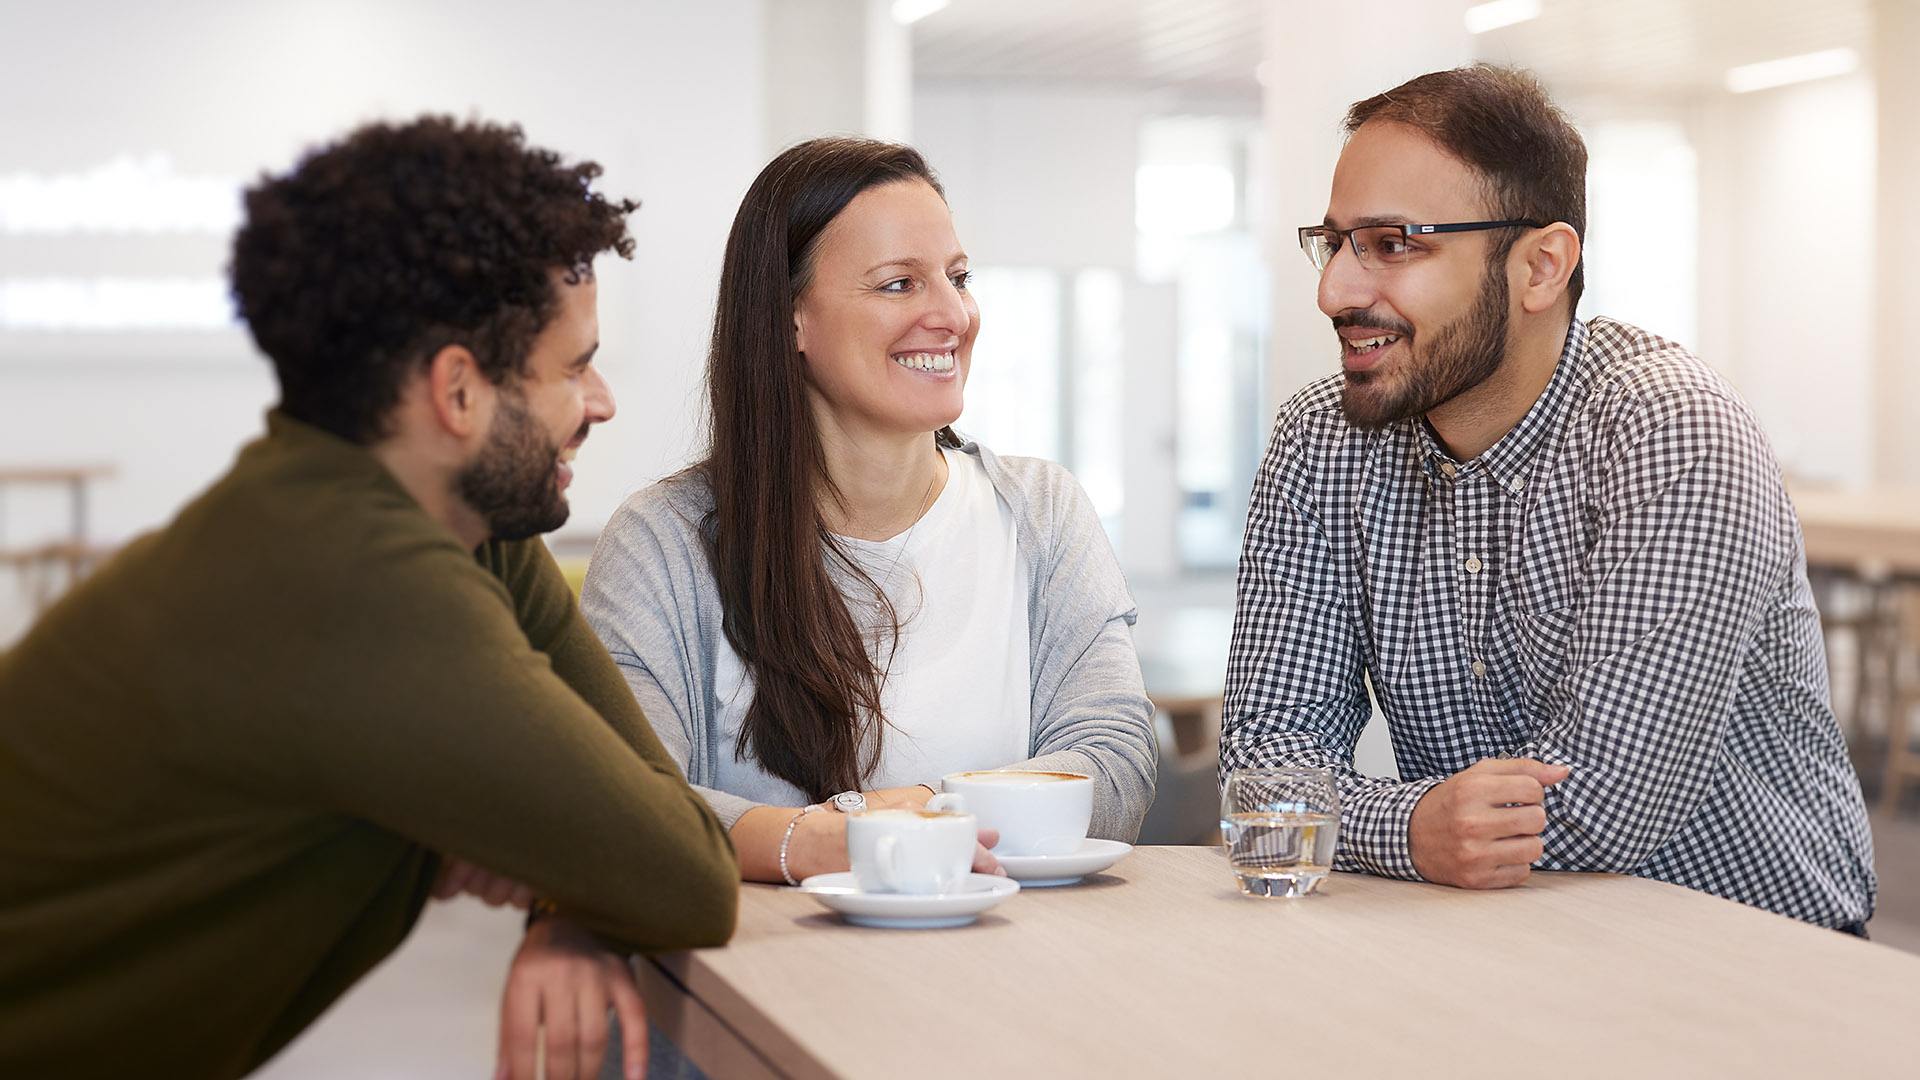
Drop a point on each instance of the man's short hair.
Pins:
(377, 251)
(1502, 124)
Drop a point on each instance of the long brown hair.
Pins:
(816, 719)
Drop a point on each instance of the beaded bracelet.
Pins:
(786, 839)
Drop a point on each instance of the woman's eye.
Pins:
(898, 285)
(962, 279)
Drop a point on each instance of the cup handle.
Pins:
(884, 851)
(947, 802)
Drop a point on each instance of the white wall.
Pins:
(835, 67)
(1309, 87)
(1787, 244)
(1036, 177)
(1896, 375)
(666, 95)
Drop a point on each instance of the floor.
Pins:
(429, 1012)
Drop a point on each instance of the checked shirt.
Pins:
(1617, 585)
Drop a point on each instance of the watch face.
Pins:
(848, 802)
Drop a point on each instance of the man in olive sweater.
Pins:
(234, 760)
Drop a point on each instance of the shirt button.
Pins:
(1448, 469)
(1479, 669)
(1474, 565)
(1519, 484)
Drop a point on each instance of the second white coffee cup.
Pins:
(1037, 813)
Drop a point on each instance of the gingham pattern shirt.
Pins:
(1617, 585)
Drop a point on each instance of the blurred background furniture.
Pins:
(1863, 560)
(45, 568)
(1903, 679)
(1183, 660)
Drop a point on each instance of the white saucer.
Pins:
(909, 911)
(1039, 871)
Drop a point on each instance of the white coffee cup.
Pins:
(913, 851)
(1037, 813)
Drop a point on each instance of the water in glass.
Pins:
(1280, 828)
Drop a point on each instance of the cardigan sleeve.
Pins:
(1091, 714)
(648, 597)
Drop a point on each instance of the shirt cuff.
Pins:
(1374, 830)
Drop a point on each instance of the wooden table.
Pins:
(1160, 968)
(1876, 529)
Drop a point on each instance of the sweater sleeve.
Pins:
(1091, 714)
(644, 598)
(426, 704)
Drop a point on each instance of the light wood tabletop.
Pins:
(1861, 528)
(1159, 967)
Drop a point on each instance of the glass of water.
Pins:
(1280, 827)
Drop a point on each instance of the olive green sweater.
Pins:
(230, 762)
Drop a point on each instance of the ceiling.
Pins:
(1198, 45)
(1664, 47)
(1645, 47)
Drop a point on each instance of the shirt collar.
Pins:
(1508, 461)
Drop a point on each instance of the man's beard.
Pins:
(514, 484)
(1462, 355)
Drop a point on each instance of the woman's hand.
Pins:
(818, 844)
(983, 860)
(899, 798)
(916, 798)
(564, 979)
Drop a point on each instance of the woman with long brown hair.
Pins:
(844, 596)
(845, 600)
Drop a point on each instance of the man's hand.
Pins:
(460, 876)
(1480, 828)
(564, 980)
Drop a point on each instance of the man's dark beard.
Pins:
(513, 484)
(1462, 355)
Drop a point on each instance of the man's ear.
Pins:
(459, 393)
(1551, 257)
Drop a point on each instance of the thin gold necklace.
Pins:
(885, 584)
(926, 500)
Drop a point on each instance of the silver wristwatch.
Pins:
(848, 802)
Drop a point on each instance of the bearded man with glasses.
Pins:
(1559, 552)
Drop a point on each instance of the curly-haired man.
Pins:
(235, 761)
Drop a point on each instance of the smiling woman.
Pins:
(845, 600)
(852, 567)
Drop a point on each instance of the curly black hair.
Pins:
(379, 250)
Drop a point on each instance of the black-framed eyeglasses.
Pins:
(1379, 247)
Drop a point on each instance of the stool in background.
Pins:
(48, 569)
(1849, 603)
(1186, 798)
(1903, 681)
(45, 571)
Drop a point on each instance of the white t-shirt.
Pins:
(958, 689)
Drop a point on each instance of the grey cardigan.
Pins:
(650, 595)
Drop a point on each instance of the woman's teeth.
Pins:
(926, 361)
